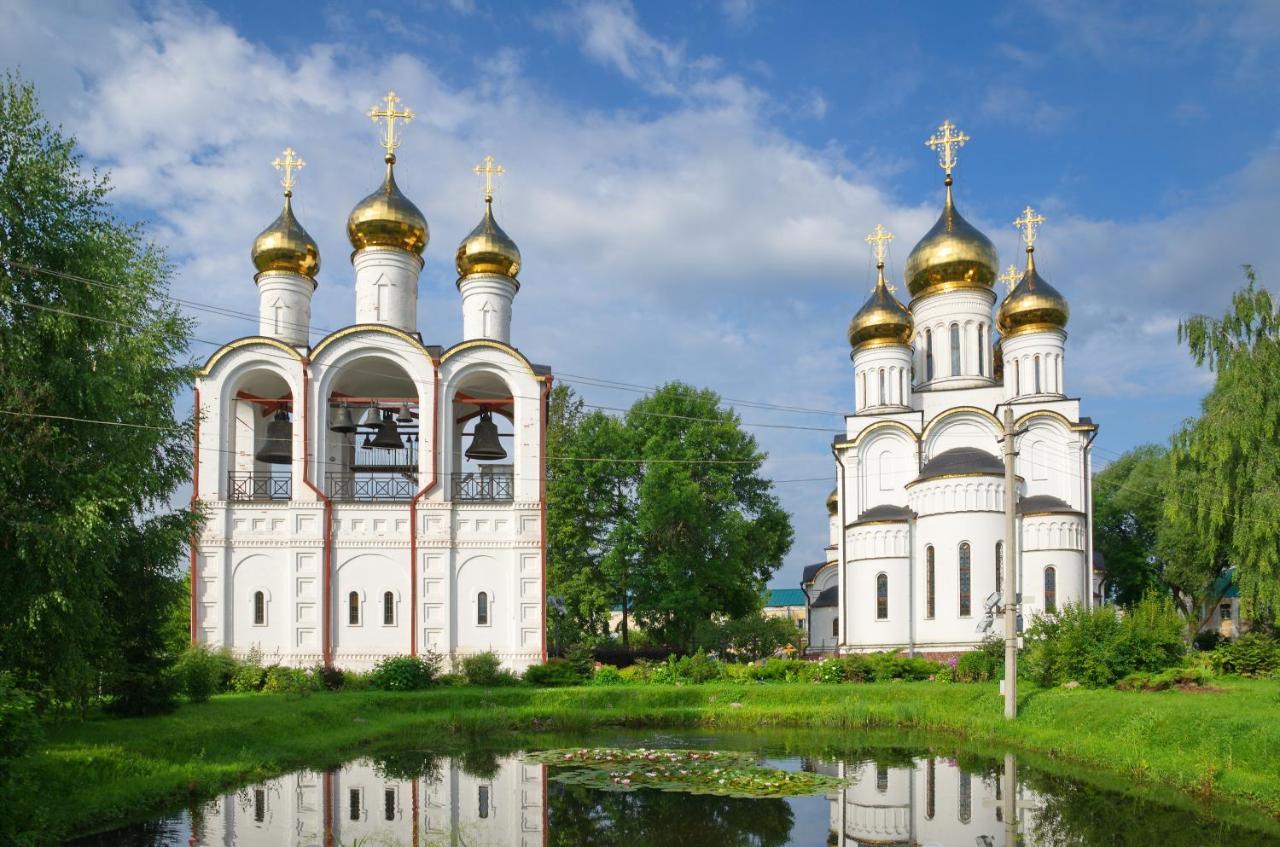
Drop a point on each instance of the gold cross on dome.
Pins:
(1010, 277)
(946, 142)
(1029, 222)
(488, 169)
(390, 114)
(288, 162)
(879, 240)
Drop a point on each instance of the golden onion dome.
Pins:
(386, 218)
(953, 254)
(833, 501)
(286, 246)
(882, 319)
(488, 250)
(1033, 304)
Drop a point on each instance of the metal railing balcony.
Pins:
(484, 488)
(370, 487)
(253, 486)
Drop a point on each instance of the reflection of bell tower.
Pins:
(488, 261)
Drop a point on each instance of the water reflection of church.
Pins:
(499, 802)
(929, 802)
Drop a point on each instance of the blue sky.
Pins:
(690, 182)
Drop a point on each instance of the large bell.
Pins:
(388, 435)
(343, 421)
(404, 416)
(277, 447)
(485, 445)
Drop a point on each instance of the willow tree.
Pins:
(1225, 483)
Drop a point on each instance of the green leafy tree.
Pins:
(87, 537)
(1226, 463)
(1128, 513)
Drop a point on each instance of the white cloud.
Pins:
(609, 33)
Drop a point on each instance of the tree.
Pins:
(90, 450)
(1128, 512)
(1226, 464)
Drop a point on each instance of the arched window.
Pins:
(354, 804)
(884, 470)
(982, 350)
(259, 608)
(388, 608)
(966, 797)
(966, 582)
(930, 788)
(482, 609)
(259, 804)
(1017, 378)
(884, 398)
(483, 797)
(1037, 365)
(1000, 567)
(930, 583)
(862, 388)
(882, 597)
(1050, 590)
(928, 355)
(353, 609)
(389, 803)
(955, 349)
(835, 627)
(882, 778)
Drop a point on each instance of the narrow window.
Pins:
(966, 797)
(930, 789)
(484, 801)
(482, 609)
(928, 355)
(1000, 567)
(882, 597)
(353, 804)
(982, 351)
(1224, 613)
(955, 349)
(862, 388)
(1037, 366)
(965, 581)
(1050, 589)
(930, 583)
(882, 778)
(259, 805)
(884, 399)
(353, 609)
(835, 627)
(1017, 378)
(259, 608)
(388, 608)
(389, 804)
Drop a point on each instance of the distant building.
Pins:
(1224, 618)
(790, 603)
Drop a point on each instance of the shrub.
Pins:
(784, 670)
(1252, 654)
(831, 670)
(580, 657)
(749, 638)
(283, 680)
(405, 673)
(981, 665)
(249, 674)
(332, 679)
(19, 727)
(1168, 678)
(1097, 647)
(607, 675)
(554, 672)
(485, 669)
(641, 671)
(199, 672)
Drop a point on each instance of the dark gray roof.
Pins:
(810, 571)
(884, 513)
(968, 461)
(1045, 503)
(827, 598)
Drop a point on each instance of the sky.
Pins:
(690, 183)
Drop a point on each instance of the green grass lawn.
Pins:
(91, 774)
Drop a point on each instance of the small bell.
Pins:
(371, 417)
(404, 416)
(388, 435)
(277, 447)
(343, 421)
(485, 445)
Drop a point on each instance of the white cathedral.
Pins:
(916, 545)
(368, 494)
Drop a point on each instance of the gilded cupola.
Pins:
(285, 245)
(1033, 304)
(882, 319)
(953, 254)
(386, 218)
(488, 249)
(833, 501)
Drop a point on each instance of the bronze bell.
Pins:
(485, 445)
(343, 421)
(388, 435)
(404, 416)
(277, 447)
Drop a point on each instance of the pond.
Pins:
(869, 795)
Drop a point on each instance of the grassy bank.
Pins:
(95, 773)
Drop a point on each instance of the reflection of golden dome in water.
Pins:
(286, 246)
(386, 218)
(953, 254)
(881, 320)
(1033, 305)
(488, 250)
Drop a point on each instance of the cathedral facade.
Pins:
(916, 551)
(368, 494)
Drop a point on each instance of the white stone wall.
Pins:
(284, 306)
(882, 377)
(1034, 360)
(970, 312)
(387, 287)
(486, 306)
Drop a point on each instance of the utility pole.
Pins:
(1010, 588)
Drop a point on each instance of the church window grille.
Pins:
(930, 789)
(388, 608)
(884, 398)
(1037, 367)
(982, 354)
(966, 580)
(259, 608)
(1051, 589)
(882, 778)
(930, 583)
(353, 804)
(928, 355)
(1000, 566)
(389, 804)
(482, 609)
(259, 805)
(966, 797)
(955, 349)
(483, 796)
(353, 608)
(882, 597)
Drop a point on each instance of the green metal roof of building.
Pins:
(785, 597)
